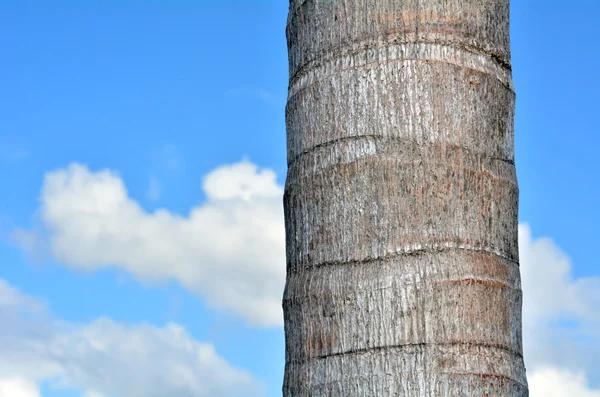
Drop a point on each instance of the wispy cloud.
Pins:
(169, 158)
(166, 162)
(107, 358)
(12, 154)
(154, 191)
(30, 241)
(561, 321)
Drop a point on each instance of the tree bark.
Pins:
(401, 201)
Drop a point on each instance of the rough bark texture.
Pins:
(401, 201)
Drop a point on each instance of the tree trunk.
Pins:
(401, 201)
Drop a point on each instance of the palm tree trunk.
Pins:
(401, 201)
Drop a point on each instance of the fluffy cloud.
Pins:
(230, 250)
(18, 387)
(105, 358)
(561, 321)
(551, 382)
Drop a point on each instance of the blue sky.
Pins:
(137, 137)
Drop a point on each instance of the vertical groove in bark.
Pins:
(401, 201)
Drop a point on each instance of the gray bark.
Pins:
(401, 201)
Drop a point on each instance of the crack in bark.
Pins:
(407, 253)
(422, 345)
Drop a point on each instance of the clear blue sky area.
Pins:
(167, 91)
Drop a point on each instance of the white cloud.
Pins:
(11, 299)
(18, 387)
(561, 321)
(92, 394)
(552, 382)
(241, 180)
(105, 358)
(30, 241)
(230, 250)
(26, 239)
